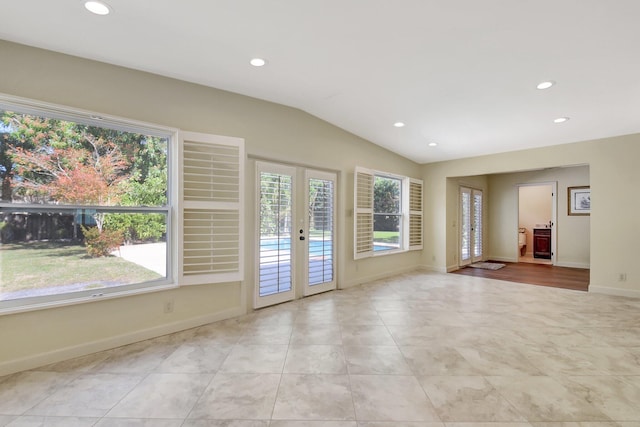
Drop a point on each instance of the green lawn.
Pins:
(386, 236)
(46, 264)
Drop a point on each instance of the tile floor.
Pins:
(418, 350)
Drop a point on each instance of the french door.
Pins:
(296, 233)
(319, 274)
(470, 225)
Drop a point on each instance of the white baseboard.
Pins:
(431, 268)
(66, 353)
(629, 293)
(374, 277)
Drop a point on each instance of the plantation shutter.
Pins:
(415, 214)
(211, 211)
(363, 213)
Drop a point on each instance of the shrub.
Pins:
(137, 227)
(101, 243)
(6, 233)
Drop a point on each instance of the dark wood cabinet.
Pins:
(542, 243)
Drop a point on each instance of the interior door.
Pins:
(319, 232)
(471, 245)
(275, 261)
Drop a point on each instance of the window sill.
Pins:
(85, 299)
(389, 252)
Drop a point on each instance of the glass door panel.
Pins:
(320, 226)
(477, 225)
(465, 226)
(275, 243)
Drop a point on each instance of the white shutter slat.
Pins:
(363, 213)
(415, 214)
(211, 209)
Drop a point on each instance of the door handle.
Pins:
(301, 237)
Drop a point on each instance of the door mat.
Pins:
(487, 265)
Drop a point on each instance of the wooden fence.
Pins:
(36, 226)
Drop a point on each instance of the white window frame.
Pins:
(363, 213)
(175, 207)
(33, 107)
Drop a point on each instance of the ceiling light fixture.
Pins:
(97, 7)
(560, 120)
(398, 124)
(433, 144)
(545, 85)
(258, 62)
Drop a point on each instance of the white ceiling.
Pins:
(461, 73)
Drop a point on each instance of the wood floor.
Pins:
(535, 274)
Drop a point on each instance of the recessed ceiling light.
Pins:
(398, 124)
(258, 62)
(545, 85)
(433, 144)
(97, 7)
(560, 120)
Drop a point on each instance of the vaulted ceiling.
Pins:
(461, 74)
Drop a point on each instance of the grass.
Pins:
(386, 236)
(40, 265)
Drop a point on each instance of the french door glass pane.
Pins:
(275, 233)
(477, 224)
(466, 227)
(320, 231)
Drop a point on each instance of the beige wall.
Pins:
(270, 131)
(613, 226)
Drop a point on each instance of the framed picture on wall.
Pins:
(579, 200)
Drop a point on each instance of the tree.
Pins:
(275, 204)
(386, 197)
(6, 165)
(15, 133)
(71, 175)
(320, 205)
(51, 161)
(55, 161)
(146, 186)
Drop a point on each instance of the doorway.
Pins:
(295, 233)
(537, 223)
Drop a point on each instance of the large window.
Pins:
(84, 206)
(387, 214)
